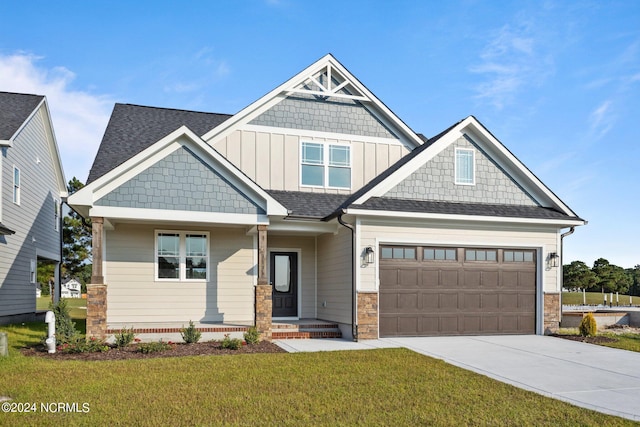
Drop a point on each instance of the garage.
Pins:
(430, 291)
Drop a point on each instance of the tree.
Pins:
(76, 246)
(611, 278)
(578, 275)
(634, 278)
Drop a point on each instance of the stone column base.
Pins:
(367, 316)
(96, 310)
(552, 313)
(264, 309)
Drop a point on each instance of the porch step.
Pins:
(282, 331)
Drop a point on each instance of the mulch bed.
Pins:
(210, 348)
(591, 340)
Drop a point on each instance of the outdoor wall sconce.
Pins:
(369, 255)
(553, 259)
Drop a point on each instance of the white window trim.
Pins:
(455, 166)
(15, 196)
(325, 164)
(182, 255)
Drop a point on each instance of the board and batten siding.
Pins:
(457, 235)
(32, 220)
(133, 295)
(334, 276)
(307, 266)
(272, 160)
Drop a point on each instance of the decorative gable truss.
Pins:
(341, 105)
(179, 177)
(423, 184)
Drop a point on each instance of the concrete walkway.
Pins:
(595, 377)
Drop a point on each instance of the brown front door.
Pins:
(284, 279)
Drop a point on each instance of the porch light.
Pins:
(553, 259)
(369, 255)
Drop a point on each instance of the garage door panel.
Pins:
(431, 296)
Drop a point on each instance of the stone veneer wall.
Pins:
(367, 315)
(96, 310)
(552, 313)
(264, 306)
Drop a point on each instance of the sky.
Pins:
(557, 82)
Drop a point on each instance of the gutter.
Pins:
(354, 317)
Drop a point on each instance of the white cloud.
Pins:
(79, 118)
(602, 119)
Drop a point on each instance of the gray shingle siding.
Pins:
(436, 181)
(181, 181)
(32, 220)
(341, 116)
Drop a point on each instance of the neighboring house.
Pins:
(71, 289)
(318, 202)
(33, 186)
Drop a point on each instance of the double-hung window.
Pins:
(16, 185)
(465, 166)
(182, 256)
(325, 165)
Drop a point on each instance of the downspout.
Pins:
(354, 317)
(562, 236)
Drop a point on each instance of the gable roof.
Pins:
(15, 109)
(132, 128)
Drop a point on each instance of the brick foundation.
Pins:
(367, 316)
(264, 307)
(96, 310)
(552, 313)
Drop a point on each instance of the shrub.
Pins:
(154, 347)
(231, 343)
(588, 326)
(65, 328)
(190, 334)
(252, 336)
(124, 337)
(81, 345)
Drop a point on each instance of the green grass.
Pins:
(595, 298)
(374, 387)
(629, 342)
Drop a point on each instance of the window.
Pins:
(32, 271)
(182, 256)
(489, 255)
(439, 254)
(465, 166)
(398, 253)
(518, 256)
(56, 214)
(325, 165)
(16, 185)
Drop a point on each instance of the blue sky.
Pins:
(557, 82)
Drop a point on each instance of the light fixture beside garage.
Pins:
(553, 259)
(369, 255)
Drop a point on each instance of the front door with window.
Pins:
(284, 279)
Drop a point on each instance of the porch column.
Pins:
(263, 288)
(97, 289)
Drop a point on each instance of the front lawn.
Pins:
(374, 387)
(595, 298)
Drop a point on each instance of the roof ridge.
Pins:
(172, 109)
(22, 93)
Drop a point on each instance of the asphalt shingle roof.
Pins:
(451, 208)
(132, 128)
(15, 108)
(308, 205)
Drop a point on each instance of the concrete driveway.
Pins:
(595, 377)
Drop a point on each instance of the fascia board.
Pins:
(116, 213)
(6, 143)
(466, 218)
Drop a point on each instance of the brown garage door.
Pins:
(428, 290)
